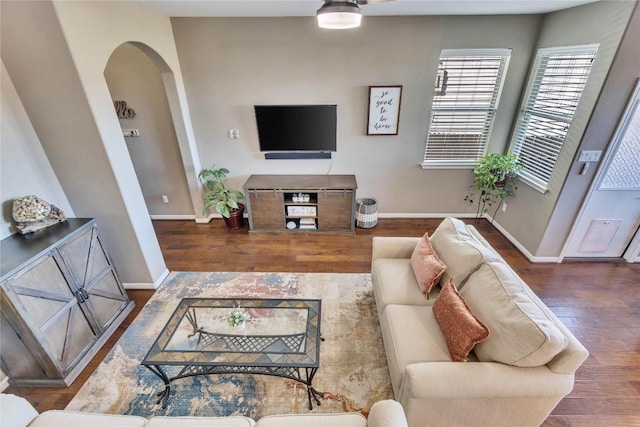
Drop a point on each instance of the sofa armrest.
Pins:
(482, 380)
(16, 411)
(393, 247)
(387, 413)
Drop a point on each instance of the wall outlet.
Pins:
(130, 132)
(504, 207)
(165, 199)
(234, 134)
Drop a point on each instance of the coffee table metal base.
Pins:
(301, 375)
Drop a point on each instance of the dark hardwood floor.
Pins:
(598, 302)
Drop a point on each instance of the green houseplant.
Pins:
(495, 179)
(223, 199)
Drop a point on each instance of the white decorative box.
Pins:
(301, 211)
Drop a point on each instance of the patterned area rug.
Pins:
(353, 369)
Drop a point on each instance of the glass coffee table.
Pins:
(281, 337)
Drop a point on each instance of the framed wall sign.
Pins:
(384, 110)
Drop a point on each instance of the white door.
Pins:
(610, 219)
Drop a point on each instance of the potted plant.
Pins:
(237, 317)
(495, 177)
(224, 200)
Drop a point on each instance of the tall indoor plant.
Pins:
(495, 178)
(224, 200)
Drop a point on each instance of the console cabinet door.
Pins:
(334, 210)
(44, 301)
(91, 271)
(60, 300)
(267, 209)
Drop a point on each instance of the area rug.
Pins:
(353, 369)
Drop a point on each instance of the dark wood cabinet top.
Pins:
(301, 182)
(18, 249)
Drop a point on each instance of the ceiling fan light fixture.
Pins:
(339, 15)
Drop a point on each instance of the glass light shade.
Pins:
(339, 15)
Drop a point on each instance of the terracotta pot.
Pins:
(235, 220)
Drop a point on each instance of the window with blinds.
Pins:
(559, 80)
(468, 86)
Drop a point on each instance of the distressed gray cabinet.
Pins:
(60, 301)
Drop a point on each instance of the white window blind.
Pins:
(468, 86)
(560, 77)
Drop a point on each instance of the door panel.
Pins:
(105, 299)
(267, 212)
(44, 297)
(103, 296)
(42, 291)
(334, 210)
(613, 207)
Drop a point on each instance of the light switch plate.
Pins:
(590, 155)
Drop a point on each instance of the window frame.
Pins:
(467, 163)
(519, 130)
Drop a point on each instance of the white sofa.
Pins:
(514, 378)
(17, 412)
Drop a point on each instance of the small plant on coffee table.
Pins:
(237, 316)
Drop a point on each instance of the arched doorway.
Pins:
(136, 83)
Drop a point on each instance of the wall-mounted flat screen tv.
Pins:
(296, 128)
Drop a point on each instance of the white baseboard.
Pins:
(172, 217)
(521, 248)
(213, 216)
(4, 383)
(424, 215)
(207, 219)
(150, 286)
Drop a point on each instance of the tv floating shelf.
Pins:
(294, 203)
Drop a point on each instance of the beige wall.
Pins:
(622, 77)
(231, 64)
(529, 213)
(56, 54)
(24, 167)
(134, 78)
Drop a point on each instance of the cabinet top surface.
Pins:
(17, 249)
(300, 182)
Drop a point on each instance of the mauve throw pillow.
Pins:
(460, 327)
(426, 265)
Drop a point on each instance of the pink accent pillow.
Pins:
(460, 327)
(426, 265)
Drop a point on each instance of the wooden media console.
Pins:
(295, 203)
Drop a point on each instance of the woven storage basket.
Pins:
(366, 212)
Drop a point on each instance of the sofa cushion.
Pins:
(459, 250)
(522, 334)
(84, 419)
(394, 283)
(410, 334)
(426, 265)
(460, 327)
(351, 419)
(231, 421)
